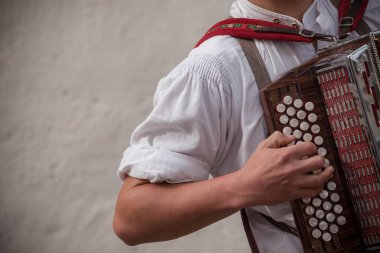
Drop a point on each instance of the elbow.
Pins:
(123, 231)
(127, 223)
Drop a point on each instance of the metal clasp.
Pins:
(306, 33)
(311, 34)
(346, 21)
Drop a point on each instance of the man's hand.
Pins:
(278, 172)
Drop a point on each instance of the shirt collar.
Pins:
(246, 9)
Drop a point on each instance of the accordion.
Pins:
(334, 101)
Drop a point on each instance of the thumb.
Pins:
(278, 140)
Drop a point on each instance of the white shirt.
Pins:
(207, 117)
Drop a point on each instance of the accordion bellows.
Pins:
(333, 101)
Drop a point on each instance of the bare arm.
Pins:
(148, 212)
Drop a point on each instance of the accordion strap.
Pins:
(350, 14)
(248, 231)
(246, 28)
(256, 62)
(281, 225)
(262, 77)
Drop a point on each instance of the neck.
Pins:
(292, 8)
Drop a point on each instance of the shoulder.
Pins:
(215, 59)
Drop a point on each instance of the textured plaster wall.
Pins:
(76, 77)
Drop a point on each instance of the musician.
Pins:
(207, 120)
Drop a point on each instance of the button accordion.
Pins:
(333, 101)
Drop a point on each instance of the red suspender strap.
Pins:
(263, 30)
(350, 15)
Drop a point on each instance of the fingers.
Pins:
(277, 140)
(311, 185)
(303, 149)
(310, 164)
(316, 181)
(309, 192)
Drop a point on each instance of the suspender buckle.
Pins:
(318, 36)
(306, 33)
(346, 21)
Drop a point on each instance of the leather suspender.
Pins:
(262, 77)
(256, 62)
(248, 232)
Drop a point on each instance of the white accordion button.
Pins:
(334, 197)
(309, 106)
(324, 194)
(316, 233)
(307, 137)
(315, 129)
(297, 133)
(291, 111)
(298, 103)
(294, 123)
(322, 151)
(287, 130)
(316, 202)
(333, 229)
(306, 200)
(330, 217)
(320, 214)
(309, 210)
(338, 209)
(313, 222)
(327, 163)
(318, 140)
(304, 126)
(331, 186)
(284, 119)
(323, 225)
(301, 114)
(288, 100)
(280, 108)
(327, 205)
(312, 117)
(326, 237)
(341, 220)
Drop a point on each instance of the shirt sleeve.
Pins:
(183, 136)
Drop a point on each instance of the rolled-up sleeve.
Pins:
(183, 136)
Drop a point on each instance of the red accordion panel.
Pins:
(354, 149)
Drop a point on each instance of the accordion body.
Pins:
(334, 101)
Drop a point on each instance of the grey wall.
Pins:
(76, 77)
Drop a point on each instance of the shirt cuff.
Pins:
(161, 166)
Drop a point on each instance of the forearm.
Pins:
(274, 174)
(154, 212)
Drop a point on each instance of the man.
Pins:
(207, 119)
